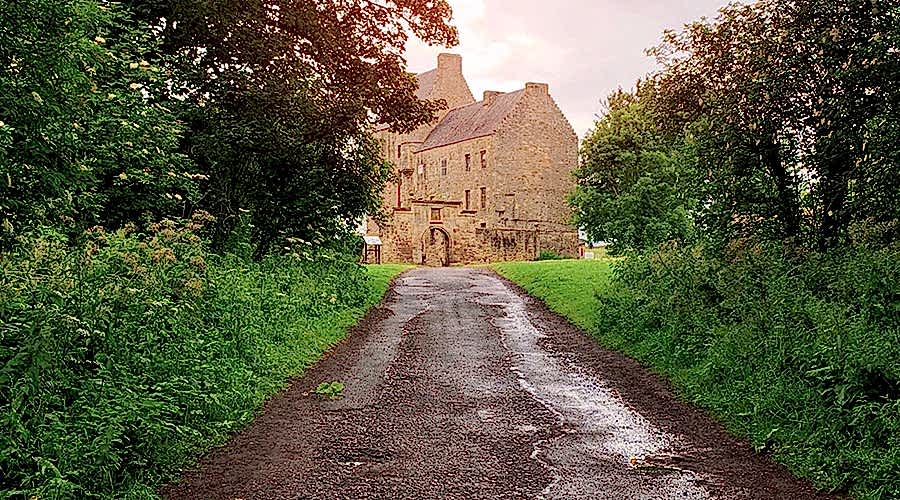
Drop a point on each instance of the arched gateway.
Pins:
(435, 247)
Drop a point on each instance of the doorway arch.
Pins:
(435, 246)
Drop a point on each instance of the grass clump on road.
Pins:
(122, 360)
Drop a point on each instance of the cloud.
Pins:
(584, 49)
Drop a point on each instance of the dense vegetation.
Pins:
(753, 184)
(179, 182)
(125, 359)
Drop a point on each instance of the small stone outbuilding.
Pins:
(486, 181)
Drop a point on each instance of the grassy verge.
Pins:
(122, 361)
(802, 360)
(381, 276)
(569, 287)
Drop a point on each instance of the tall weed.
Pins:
(120, 361)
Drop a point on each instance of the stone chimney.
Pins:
(489, 96)
(449, 63)
(537, 88)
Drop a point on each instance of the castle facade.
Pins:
(486, 181)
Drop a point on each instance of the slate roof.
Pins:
(426, 83)
(474, 120)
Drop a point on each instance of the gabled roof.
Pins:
(426, 83)
(472, 121)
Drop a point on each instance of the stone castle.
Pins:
(486, 181)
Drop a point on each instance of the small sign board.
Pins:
(372, 240)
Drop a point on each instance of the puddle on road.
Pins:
(601, 427)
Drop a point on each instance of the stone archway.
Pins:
(435, 246)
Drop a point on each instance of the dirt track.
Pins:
(459, 386)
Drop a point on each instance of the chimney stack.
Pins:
(537, 88)
(449, 63)
(489, 96)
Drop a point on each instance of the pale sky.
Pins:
(584, 49)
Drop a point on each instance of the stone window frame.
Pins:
(483, 197)
(468, 197)
(444, 168)
(483, 158)
(468, 162)
(435, 215)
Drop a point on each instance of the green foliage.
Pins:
(121, 360)
(282, 122)
(549, 255)
(789, 99)
(80, 145)
(767, 290)
(801, 359)
(635, 186)
(330, 390)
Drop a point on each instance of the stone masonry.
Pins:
(486, 181)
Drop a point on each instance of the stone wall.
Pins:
(516, 202)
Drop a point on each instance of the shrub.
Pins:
(549, 255)
(800, 355)
(121, 360)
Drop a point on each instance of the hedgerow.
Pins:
(123, 359)
(802, 357)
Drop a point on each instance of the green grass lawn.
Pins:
(381, 276)
(569, 287)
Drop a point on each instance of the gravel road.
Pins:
(460, 386)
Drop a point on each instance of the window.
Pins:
(483, 197)
(468, 164)
(399, 186)
(435, 214)
(444, 166)
(468, 197)
(398, 150)
(483, 159)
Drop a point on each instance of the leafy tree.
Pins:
(280, 98)
(793, 96)
(80, 144)
(634, 182)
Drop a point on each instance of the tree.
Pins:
(280, 98)
(80, 145)
(792, 95)
(633, 182)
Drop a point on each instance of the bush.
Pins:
(549, 255)
(120, 361)
(800, 355)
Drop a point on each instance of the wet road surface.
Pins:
(460, 386)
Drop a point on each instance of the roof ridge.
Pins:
(472, 121)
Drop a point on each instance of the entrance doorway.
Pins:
(435, 247)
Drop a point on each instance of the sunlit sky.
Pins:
(584, 49)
